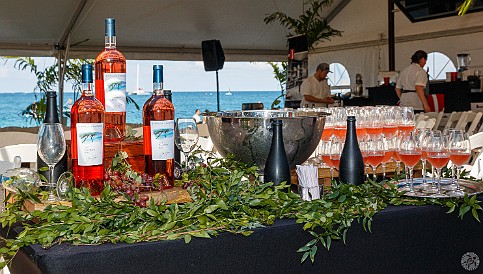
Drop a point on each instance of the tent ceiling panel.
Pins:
(160, 29)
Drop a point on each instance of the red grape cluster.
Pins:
(131, 186)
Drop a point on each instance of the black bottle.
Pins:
(177, 154)
(351, 167)
(277, 169)
(52, 116)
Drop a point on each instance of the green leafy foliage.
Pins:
(311, 24)
(280, 74)
(226, 197)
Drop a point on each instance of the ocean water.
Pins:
(185, 104)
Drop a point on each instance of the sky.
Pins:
(178, 76)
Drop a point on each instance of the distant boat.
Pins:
(138, 90)
(229, 92)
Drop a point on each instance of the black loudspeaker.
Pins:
(213, 55)
(298, 43)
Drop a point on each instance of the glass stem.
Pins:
(383, 170)
(433, 181)
(458, 173)
(411, 184)
(424, 171)
(374, 176)
(438, 171)
(51, 184)
(453, 174)
(331, 173)
(187, 160)
(397, 169)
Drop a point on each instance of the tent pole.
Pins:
(62, 58)
(61, 86)
(391, 40)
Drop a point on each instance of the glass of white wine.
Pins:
(186, 137)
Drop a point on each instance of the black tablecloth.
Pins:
(404, 239)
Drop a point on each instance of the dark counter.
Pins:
(404, 239)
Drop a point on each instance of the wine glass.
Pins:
(438, 156)
(375, 152)
(447, 133)
(459, 153)
(51, 148)
(186, 137)
(390, 121)
(422, 136)
(336, 147)
(410, 154)
(389, 147)
(406, 122)
(325, 155)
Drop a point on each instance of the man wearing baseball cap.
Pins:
(315, 89)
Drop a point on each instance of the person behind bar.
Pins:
(315, 89)
(411, 83)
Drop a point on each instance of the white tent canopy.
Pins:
(146, 29)
(174, 29)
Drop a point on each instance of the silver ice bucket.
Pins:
(248, 136)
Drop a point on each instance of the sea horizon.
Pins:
(185, 104)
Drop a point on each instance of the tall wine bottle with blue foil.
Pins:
(277, 168)
(52, 116)
(158, 132)
(87, 137)
(110, 70)
(351, 167)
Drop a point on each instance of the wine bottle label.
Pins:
(115, 92)
(90, 143)
(162, 139)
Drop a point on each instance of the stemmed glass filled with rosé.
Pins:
(438, 156)
(375, 123)
(325, 156)
(389, 148)
(406, 119)
(410, 154)
(328, 126)
(390, 124)
(459, 153)
(422, 135)
(375, 151)
(340, 126)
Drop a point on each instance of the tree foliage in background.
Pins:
(311, 24)
(280, 74)
(48, 79)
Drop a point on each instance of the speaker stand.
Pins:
(217, 92)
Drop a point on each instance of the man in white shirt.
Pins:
(197, 116)
(411, 83)
(315, 89)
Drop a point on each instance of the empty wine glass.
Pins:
(336, 147)
(51, 148)
(459, 153)
(186, 137)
